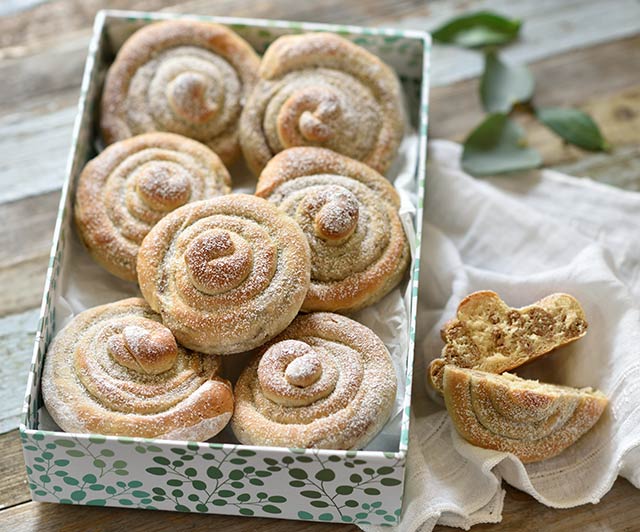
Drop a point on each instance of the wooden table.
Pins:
(583, 53)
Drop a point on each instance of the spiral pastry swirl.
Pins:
(349, 214)
(319, 89)
(226, 274)
(185, 77)
(131, 185)
(532, 420)
(115, 369)
(325, 382)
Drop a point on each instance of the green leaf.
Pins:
(496, 146)
(78, 495)
(390, 482)
(311, 494)
(277, 499)
(504, 85)
(325, 517)
(61, 463)
(271, 509)
(214, 473)
(191, 472)
(305, 515)
(305, 459)
(372, 491)
(75, 453)
(119, 464)
(320, 504)
(236, 474)
(325, 475)
(256, 482)
(182, 508)
(573, 126)
(174, 482)
(246, 511)
(478, 29)
(201, 507)
(159, 471)
(89, 478)
(161, 460)
(355, 478)
(245, 453)
(226, 493)
(344, 490)
(199, 485)
(244, 497)
(351, 503)
(299, 474)
(296, 483)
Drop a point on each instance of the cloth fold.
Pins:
(526, 237)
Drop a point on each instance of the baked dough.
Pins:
(349, 214)
(124, 191)
(181, 76)
(534, 421)
(319, 89)
(116, 370)
(325, 382)
(488, 335)
(226, 274)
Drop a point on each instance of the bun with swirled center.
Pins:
(325, 382)
(532, 420)
(349, 214)
(116, 370)
(226, 274)
(185, 77)
(127, 188)
(319, 89)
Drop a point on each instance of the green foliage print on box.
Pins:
(212, 487)
(49, 473)
(337, 501)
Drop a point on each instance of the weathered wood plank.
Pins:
(13, 488)
(619, 511)
(550, 28)
(26, 228)
(33, 143)
(567, 79)
(17, 333)
(35, 517)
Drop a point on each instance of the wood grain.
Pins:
(42, 51)
(13, 486)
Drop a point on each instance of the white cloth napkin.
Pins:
(525, 237)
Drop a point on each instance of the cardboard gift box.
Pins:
(221, 476)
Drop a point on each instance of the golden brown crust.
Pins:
(488, 335)
(325, 382)
(531, 420)
(181, 76)
(116, 370)
(132, 184)
(318, 89)
(349, 215)
(226, 274)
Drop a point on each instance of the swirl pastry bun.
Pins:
(226, 274)
(488, 335)
(532, 420)
(116, 370)
(127, 188)
(349, 214)
(318, 89)
(185, 77)
(325, 382)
